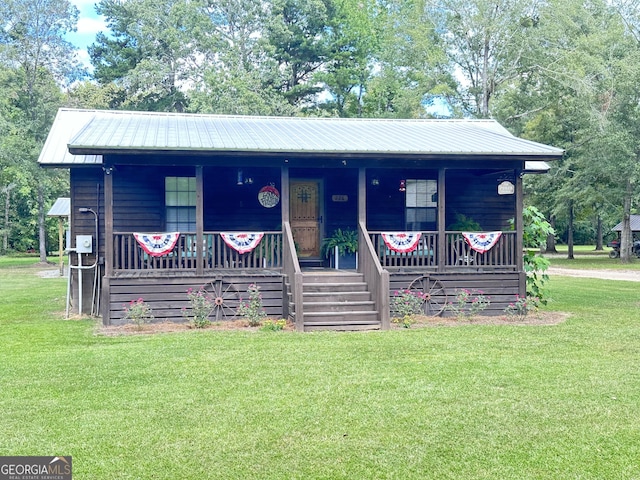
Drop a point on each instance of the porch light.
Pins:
(239, 181)
(375, 181)
(403, 186)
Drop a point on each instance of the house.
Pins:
(164, 202)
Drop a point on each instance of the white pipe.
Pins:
(80, 284)
(68, 289)
(80, 267)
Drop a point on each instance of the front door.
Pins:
(304, 214)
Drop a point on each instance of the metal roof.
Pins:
(635, 224)
(62, 208)
(65, 126)
(102, 132)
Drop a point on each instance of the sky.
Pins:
(89, 24)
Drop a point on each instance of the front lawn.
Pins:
(586, 257)
(466, 402)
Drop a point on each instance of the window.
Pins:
(421, 204)
(180, 204)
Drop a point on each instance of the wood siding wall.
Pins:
(167, 295)
(138, 205)
(472, 193)
(501, 288)
(475, 195)
(87, 191)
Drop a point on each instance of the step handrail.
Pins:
(376, 277)
(291, 268)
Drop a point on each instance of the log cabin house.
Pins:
(164, 202)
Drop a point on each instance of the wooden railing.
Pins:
(457, 254)
(376, 277)
(128, 255)
(423, 256)
(291, 268)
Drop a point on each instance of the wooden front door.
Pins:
(304, 215)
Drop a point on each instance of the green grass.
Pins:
(468, 402)
(586, 257)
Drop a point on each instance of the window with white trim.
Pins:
(180, 204)
(421, 205)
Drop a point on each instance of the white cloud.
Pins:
(90, 25)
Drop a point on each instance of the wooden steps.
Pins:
(337, 300)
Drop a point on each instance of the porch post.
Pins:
(519, 225)
(442, 218)
(108, 244)
(362, 195)
(199, 222)
(284, 198)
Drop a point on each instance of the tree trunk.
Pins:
(7, 208)
(570, 233)
(599, 243)
(41, 225)
(626, 239)
(484, 108)
(551, 238)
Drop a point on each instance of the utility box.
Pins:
(84, 244)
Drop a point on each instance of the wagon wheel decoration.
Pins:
(225, 297)
(434, 294)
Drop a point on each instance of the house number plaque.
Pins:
(340, 198)
(506, 188)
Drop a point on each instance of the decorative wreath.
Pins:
(269, 196)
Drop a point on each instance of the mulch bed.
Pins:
(542, 318)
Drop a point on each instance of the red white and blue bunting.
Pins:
(481, 242)
(242, 242)
(401, 242)
(157, 244)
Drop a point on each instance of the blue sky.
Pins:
(89, 23)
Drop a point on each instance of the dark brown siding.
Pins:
(167, 295)
(475, 195)
(232, 207)
(501, 288)
(87, 191)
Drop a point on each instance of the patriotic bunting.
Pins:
(242, 242)
(401, 242)
(481, 242)
(157, 244)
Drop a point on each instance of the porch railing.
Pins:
(376, 277)
(291, 268)
(128, 255)
(457, 254)
(423, 256)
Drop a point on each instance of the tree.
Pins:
(486, 40)
(410, 63)
(151, 52)
(36, 61)
(241, 78)
(300, 43)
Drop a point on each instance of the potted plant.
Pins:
(341, 248)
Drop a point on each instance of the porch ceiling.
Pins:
(101, 132)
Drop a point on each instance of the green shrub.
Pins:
(468, 303)
(253, 310)
(138, 312)
(202, 304)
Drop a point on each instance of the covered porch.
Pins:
(201, 257)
